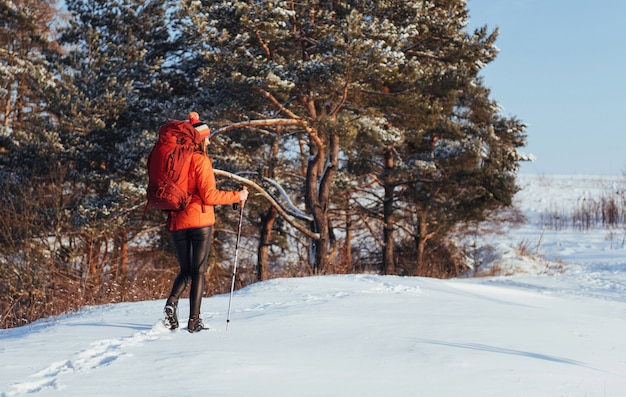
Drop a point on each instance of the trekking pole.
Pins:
(232, 284)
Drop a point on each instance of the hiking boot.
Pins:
(195, 325)
(171, 315)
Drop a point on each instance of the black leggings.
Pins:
(192, 249)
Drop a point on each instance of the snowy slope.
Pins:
(534, 334)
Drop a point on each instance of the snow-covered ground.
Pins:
(557, 327)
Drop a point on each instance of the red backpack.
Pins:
(168, 166)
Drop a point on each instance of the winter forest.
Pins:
(362, 129)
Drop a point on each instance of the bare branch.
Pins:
(268, 53)
(295, 211)
(257, 123)
(339, 104)
(275, 102)
(269, 198)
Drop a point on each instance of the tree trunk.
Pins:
(123, 268)
(419, 268)
(319, 225)
(268, 218)
(318, 184)
(93, 249)
(388, 228)
(348, 245)
(267, 221)
(7, 106)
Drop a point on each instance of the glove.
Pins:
(243, 195)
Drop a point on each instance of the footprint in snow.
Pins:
(99, 354)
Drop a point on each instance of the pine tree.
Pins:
(114, 91)
(117, 89)
(447, 137)
(27, 168)
(24, 38)
(390, 71)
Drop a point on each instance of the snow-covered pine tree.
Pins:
(342, 70)
(118, 83)
(27, 170)
(24, 38)
(440, 138)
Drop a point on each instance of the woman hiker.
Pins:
(191, 231)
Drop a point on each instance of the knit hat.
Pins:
(201, 127)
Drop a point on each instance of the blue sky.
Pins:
(561, 70)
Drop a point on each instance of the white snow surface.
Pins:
(555, 327)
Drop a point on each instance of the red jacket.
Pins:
(204, 194)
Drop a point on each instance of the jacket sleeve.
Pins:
(205, 183)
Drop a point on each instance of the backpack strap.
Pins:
(171, 219)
